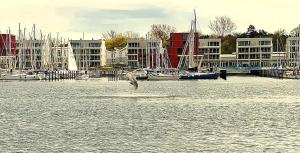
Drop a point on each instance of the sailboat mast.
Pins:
(34, 49)
(195, 20)
(19, 45)
(9, 48)
(24, 49)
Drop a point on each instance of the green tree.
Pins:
(119, 41)
(253, 33)
(229, 44)
(279, 40)
(114, 39)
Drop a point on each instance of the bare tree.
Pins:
(132, 35)
(222, 25)
(295, 32)
(161, 31)
(111, 34)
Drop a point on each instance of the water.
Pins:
(242, 114)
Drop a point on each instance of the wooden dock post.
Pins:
(51, 75)
(55, 72)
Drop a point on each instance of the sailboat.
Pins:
(162, 72)
(194, 72)
(10, 73)
(72, 66)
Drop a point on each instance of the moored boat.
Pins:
(161, 76)
(140, 74)
(198, 76)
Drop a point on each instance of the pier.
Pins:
(61, 75)
(256, 71)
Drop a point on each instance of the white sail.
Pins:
(71, 59)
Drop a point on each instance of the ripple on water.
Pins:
(241, 114)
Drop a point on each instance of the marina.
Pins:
(142, 76)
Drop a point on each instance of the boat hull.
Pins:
(208, 76)
(21, 77)
(157, 78)
(141, 77)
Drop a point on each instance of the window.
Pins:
(254, 50)
(95, 51)
(243, 56)
(133, 44)
(243, 50)
(152, 44)
(264, 43)
(244, 43)
(265, 49)
(132, 51)
(132, 57)
(266, 56)
(37, 44)
(94, 44)
(75, 45)
(294, 42)
(213, 43)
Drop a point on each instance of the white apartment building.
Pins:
(117, 57)
(293, 50)
(211, 49)
(39, 55)
(89, 54)
(29, 54)
(144, 53)
(254, 51)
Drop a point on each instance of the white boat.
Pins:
(140, 74)
(21, 76)
(82, 76)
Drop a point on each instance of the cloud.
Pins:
(97, 16)
(100, 20)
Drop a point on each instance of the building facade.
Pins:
(256, 52)
(89, 54)
(293, 51)
(7, 51)
(144, 53)
(177, 45)
(29, 54)
(117, 57)
(211, 50)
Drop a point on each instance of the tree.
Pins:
(119, 41)
(132, 35)
(279, 39)
(111, 34)
(295, 32)
(251, 29)
(229, 44)
(222, 25)
(253, 33)
(161, 31)
(115, 39)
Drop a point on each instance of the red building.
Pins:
(5, 46)
(177, 43)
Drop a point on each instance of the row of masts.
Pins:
(156, 57)
(35, 51)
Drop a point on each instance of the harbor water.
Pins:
(242, 114)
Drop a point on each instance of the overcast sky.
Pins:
(73, 17)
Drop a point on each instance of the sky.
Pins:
(70, 18)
